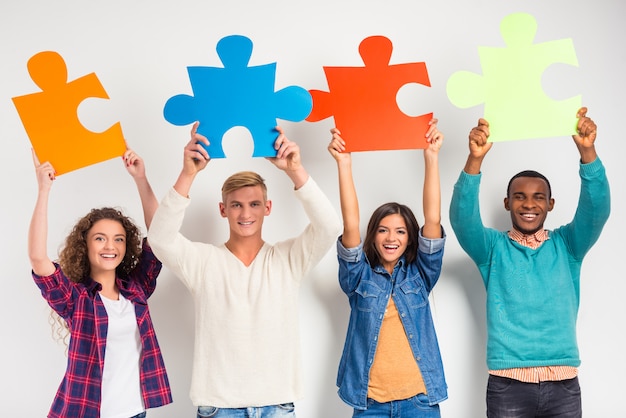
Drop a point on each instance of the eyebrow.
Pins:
(102, 233)
(534, 194)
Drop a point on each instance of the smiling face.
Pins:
(106, 246)
(245, 209)
(529, 202)
(391, 240)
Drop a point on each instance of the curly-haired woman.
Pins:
(99, 287)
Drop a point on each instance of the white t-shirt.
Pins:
(121, 389)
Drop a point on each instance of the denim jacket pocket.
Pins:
(414, 293)
(368, 293)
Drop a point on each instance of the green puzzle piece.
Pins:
(516, 106)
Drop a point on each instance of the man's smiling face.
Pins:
(529, 202)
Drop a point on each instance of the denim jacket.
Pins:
(368, 290)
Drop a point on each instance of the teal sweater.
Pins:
(532, 295)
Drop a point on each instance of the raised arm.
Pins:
(432, 190)
(195, 159)
(586, 137)
(347, 192)
(38, 230)
(288, 159)
(136, 168)
(478, 147)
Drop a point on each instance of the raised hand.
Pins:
(45, 173)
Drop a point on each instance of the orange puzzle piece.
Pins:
(363, 101)
(51, 120)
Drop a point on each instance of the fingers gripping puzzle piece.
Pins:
(363, 100)
(515, 104)
(51, 121)
(237, 95)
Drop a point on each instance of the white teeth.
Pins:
(108, 255)
(529, 215)
(391, 247)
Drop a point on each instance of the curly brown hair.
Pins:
(73, 257)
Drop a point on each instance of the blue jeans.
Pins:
(142, 415)
(415, 407)
(509, 398)
(272, 411)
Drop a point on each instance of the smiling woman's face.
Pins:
(391, 240)
(106, 245)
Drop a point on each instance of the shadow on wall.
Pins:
(470, 379)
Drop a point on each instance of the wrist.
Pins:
(298, 176)
(588, 155)
(473, 164)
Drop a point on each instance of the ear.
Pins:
(268, 207)
(551, 205)
(222, 209)
(506, 204)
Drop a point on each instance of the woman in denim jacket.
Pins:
(391, 365)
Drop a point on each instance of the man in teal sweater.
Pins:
(532, 278)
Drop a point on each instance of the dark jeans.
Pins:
(509, 398)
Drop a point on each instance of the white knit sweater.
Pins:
(247, 349)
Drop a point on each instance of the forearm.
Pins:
(38, 238)
(167, 221)
(298, 176)
(587, 154)
(465, 217)
(324, 222)
(149, 202)
(473, 164)
(349, 205)
(184, 182)
(431, 200)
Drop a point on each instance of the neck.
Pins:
(245, 249)
(107, 282)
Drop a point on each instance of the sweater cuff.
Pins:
(466, 179)
(306, 188)
(591, 169)
(175, 199)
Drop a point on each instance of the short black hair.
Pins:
(529, 173)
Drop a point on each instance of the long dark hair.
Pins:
(391, 208)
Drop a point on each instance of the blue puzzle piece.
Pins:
(237, 95)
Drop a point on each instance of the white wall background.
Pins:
(139, 51)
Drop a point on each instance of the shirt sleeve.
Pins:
(592, 212)
(167, 243)
(465, 218)
(430, 258)
(352, 261)
(308, 248)
(57, 290)
(147, 270)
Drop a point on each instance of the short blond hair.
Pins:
(243, 179)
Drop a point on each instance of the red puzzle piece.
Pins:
(51, 121)
(363, 101)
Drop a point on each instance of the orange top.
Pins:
(395, 374)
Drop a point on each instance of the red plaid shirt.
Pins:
(81, 307)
